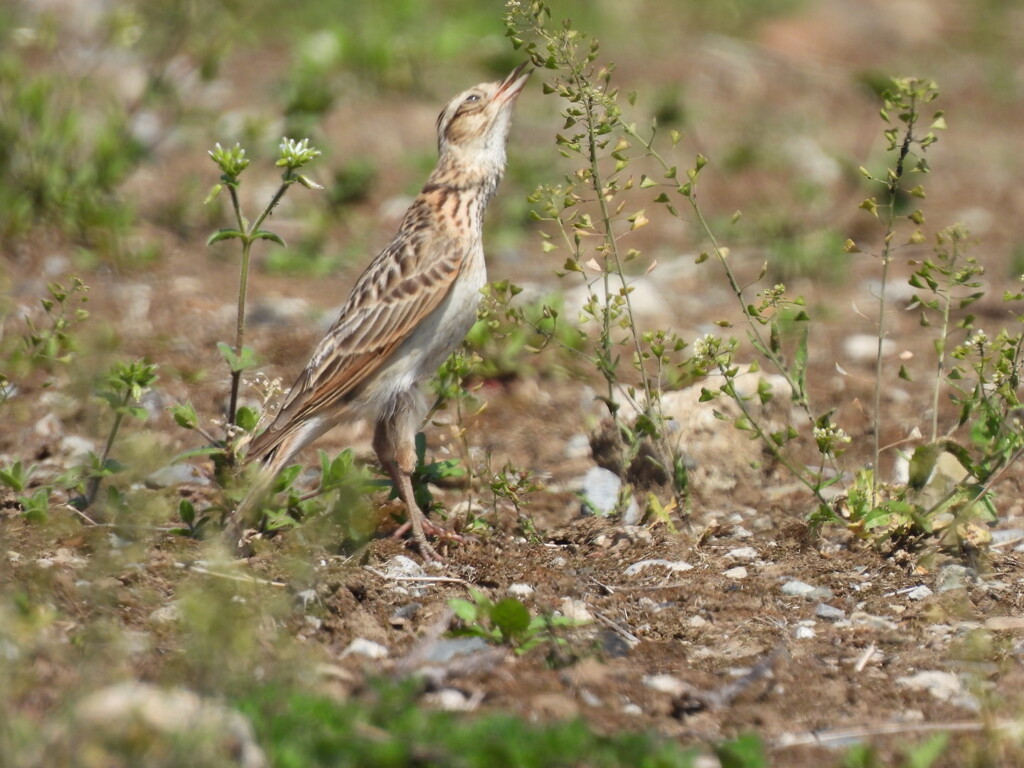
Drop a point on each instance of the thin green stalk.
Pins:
(94, 482)
(940, 362)
(243, 280)
(766, 440)
(612, 244)
(890, 231)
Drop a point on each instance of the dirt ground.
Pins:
(700, 642)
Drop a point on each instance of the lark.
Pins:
(411, 307)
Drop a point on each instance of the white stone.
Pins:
(665, 684)
(675, 566)
(742, 553)
(363, 647)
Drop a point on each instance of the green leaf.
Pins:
(924, 755)
(463, 609)
(922, 464)
(223, 234)
(247, 418)
(184, 415)
(511, 617)
(186, 511)
(800, 362)
(213, 193)
(745, 752)
(870, 206)
(206, 450)
(264, 234)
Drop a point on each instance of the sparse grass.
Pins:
(388, 729)
(70, 147)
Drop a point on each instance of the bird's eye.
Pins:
(471, 98)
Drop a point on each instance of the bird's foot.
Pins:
(419, 537)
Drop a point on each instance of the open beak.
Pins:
(513, 84)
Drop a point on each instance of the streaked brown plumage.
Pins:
(410, 308)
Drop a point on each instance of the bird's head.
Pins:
(474, 126)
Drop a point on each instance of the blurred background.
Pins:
(108, 108)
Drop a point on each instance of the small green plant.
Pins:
(507, 622)
(390, 727)
(592, 214)
(595, 210)
(922, 755)
(194, 522)
(47, 343)
(232, 162)
(122, 390)
(35, 505)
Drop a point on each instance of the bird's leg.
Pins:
(395, 443)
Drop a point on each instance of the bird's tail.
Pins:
(271, 452)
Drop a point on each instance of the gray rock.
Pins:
(1007, 535)
(451, 700)
(807, 591)
(862, 619)
(174, 475)
(739, 572)
(919, 593)
(673, 686)
(447, 648)
(577, 447)
(944, 686)
(676, 566)
(166, 614)
(742, 553)
(405, 612)
(953, 576)
(805, 631)
(829, 612)
(77, 448)
(363, 647)
(401, 567)
(601, 489)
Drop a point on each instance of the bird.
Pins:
(410, 308)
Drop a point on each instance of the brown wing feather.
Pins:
(406, 282)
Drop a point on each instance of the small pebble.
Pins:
(944, 686)
(1005, 623)
(829, 612)
(676, 566)
(919, 593)
(576, 610)
(742, 553)
(861, 619)
(805, 631)
(807, 591)
(447, 648)
(363, 647)
(952, 576)
(166, 614)
(665, 684)
(520, 590)
(739, 572)
(451, 700)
